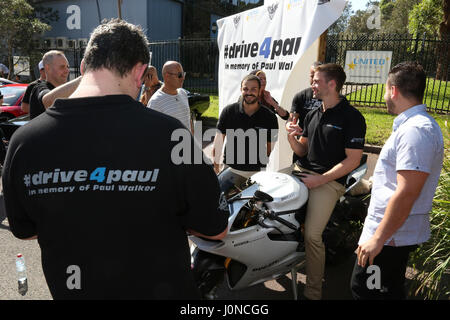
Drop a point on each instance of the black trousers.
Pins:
(390, 267)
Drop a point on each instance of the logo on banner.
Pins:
(294, 3)
(236, 21)
(272, 9)
(367, 66)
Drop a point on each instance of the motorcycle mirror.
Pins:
(262, 196)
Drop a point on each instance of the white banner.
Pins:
(367, 66)
(272, 38)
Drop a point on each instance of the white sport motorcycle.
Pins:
(265, 233)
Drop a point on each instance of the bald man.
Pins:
(56, 69)
(171, 99)
(151, 85)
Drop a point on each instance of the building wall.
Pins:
(160, 19)
(165, 20)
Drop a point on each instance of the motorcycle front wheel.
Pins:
(209, 271)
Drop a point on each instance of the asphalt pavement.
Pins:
(9, 248)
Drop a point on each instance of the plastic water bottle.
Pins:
(21, 274)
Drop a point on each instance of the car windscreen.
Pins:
(11, 94)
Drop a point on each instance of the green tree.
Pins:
(443, 53)
(386, 7)
(395, 15)
(340, 25)
(18, 27)
(425, 18)
(357, 23)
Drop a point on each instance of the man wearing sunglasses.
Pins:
(171, 99)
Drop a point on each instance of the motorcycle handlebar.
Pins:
(273, 216)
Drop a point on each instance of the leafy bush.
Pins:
(431, 262)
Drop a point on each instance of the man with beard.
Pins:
(331, 147)
(251, 131)
(404, 182)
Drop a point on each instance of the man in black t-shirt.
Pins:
(331, 146)
(251, 131)
(56, 70)
(304, 101)
(110, 213)
(25, 106)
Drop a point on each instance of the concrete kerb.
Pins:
(369, 148)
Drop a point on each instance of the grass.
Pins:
(378, 121)
(213, 110)
(437, 95)
(379, 124)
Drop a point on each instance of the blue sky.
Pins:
(358, 4)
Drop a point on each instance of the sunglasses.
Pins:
(179, 74)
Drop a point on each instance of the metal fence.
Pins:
(200, 60)
(431, 53)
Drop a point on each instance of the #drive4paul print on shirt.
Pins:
(97, 179)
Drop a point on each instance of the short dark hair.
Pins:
(334, 72)
(116, 45)
(251, 77)
(410, 79)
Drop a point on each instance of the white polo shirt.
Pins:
(416, 143)
(176, 106)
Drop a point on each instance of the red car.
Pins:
(12, 98)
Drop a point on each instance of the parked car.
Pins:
(7, 128)
(4, 81)
(12, 98)
(198, 103)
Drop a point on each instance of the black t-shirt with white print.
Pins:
(96, 180)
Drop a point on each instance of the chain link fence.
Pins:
(200, 60)
(431, 53)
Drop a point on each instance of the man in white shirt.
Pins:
(404, 182)
(171, 99)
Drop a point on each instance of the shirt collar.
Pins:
(337, 107)
(241, 107)
(405, 115)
